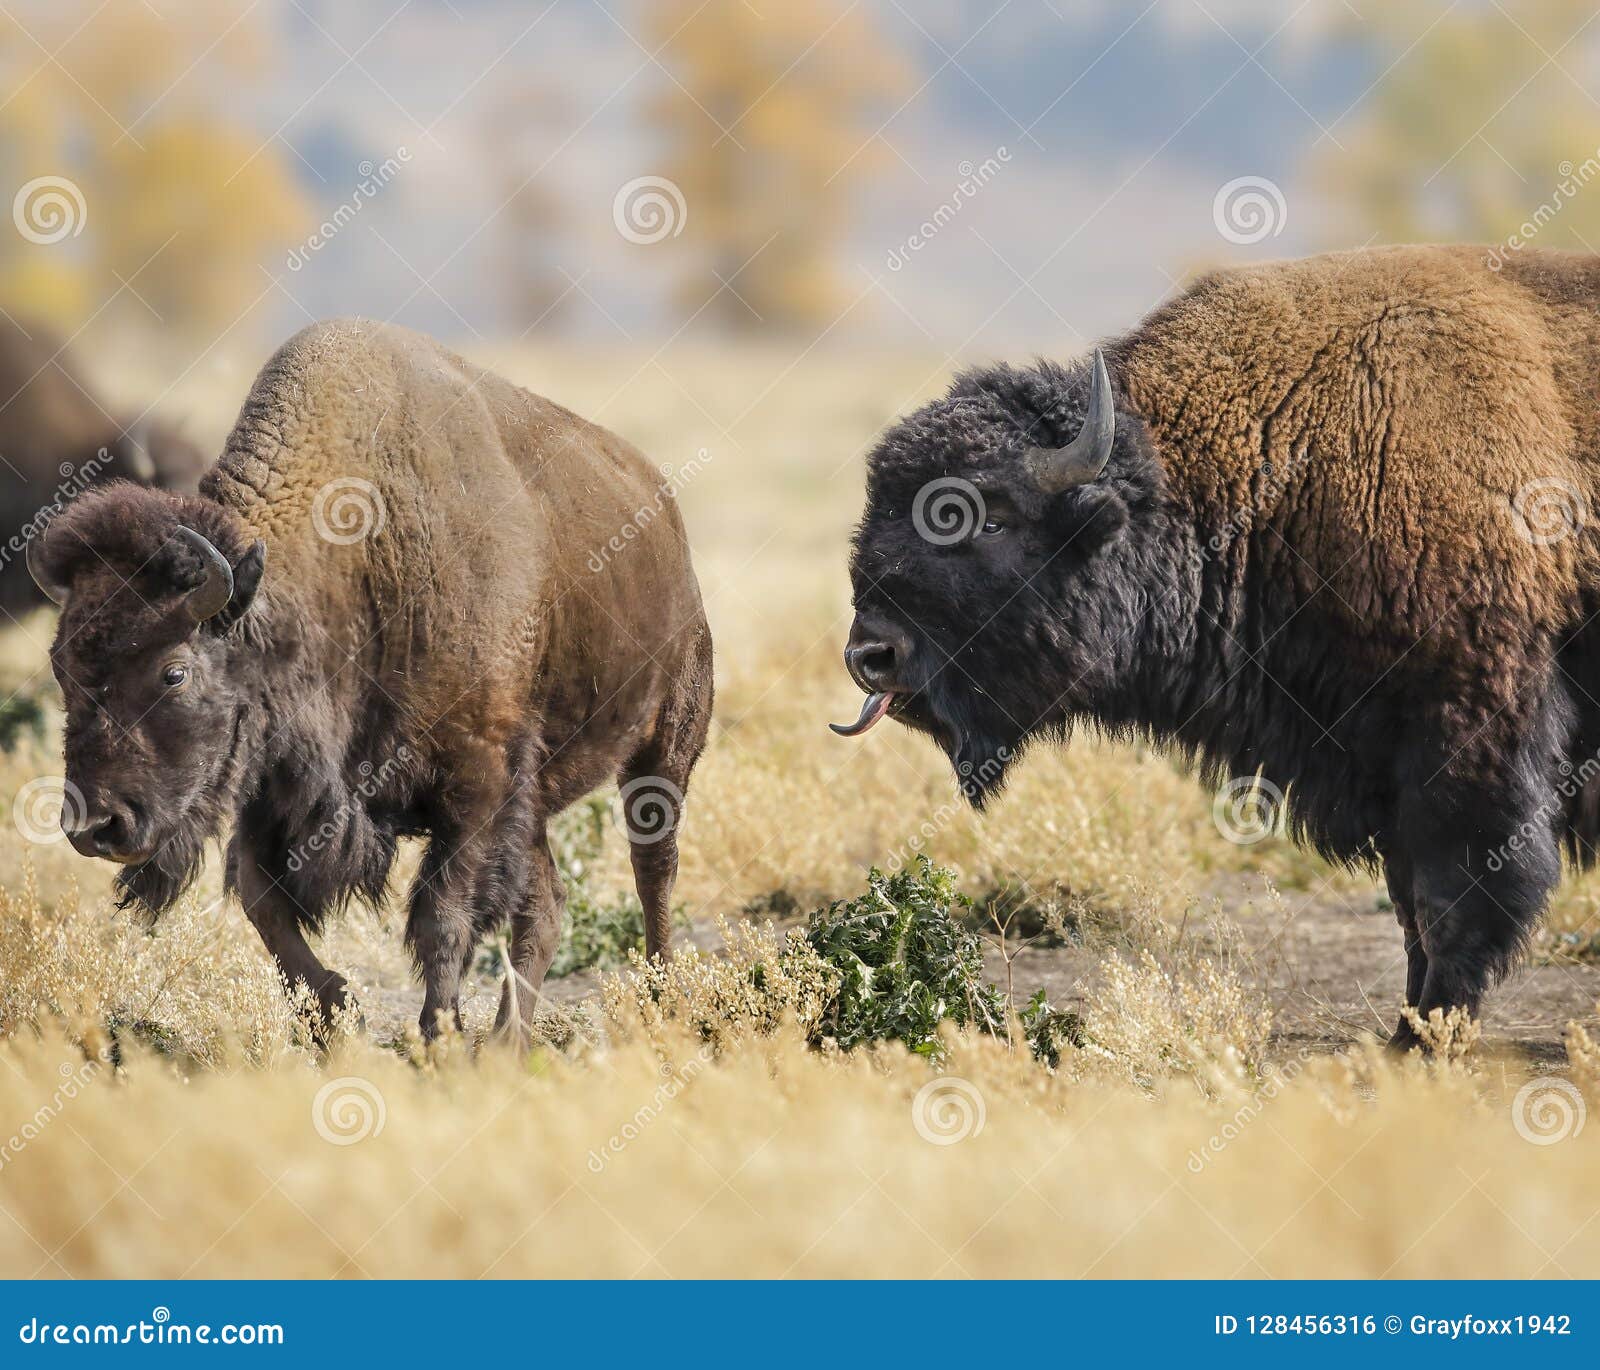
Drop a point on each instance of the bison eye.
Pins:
(991, 527)
(175, 674)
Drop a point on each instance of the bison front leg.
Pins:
(281, 922)
(1397, 873)
(442, 926)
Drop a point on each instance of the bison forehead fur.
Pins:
(420, 639)
(1321, 552)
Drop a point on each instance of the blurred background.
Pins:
(195, 179)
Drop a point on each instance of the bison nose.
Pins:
(99, 829)
(875, 655)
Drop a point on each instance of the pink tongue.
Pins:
(876, 706)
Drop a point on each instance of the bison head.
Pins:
(150, 585)
(992, 588)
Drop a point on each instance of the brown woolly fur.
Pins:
(1341, 542)
(421, 639)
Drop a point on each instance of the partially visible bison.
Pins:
(58, 438)
(377, 619)
(1325, 522)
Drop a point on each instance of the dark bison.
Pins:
(57, 438)
(379, 618)
(1324, 522)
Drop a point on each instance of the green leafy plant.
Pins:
(21, 715)
(905, 960)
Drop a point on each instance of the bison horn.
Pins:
(1055, 469)
(53, 589)
(211, 596)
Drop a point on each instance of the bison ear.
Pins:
(246, 581)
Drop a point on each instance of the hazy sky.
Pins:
(1120, 123)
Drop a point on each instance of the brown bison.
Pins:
(57, 438)
(1324, 522)
(377, 619)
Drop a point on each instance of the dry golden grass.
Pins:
(1180, 1144)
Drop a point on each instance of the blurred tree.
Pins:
(771, 122)
(146, 195)
(518, 132)
(1477, 118)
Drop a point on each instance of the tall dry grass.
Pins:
(162, 1111)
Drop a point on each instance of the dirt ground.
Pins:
(1331, 965)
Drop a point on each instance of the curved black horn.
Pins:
(211, 596)
(1055, 469)
(54, 590)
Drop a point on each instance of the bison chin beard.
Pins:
(154, 886)
(979, 739)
